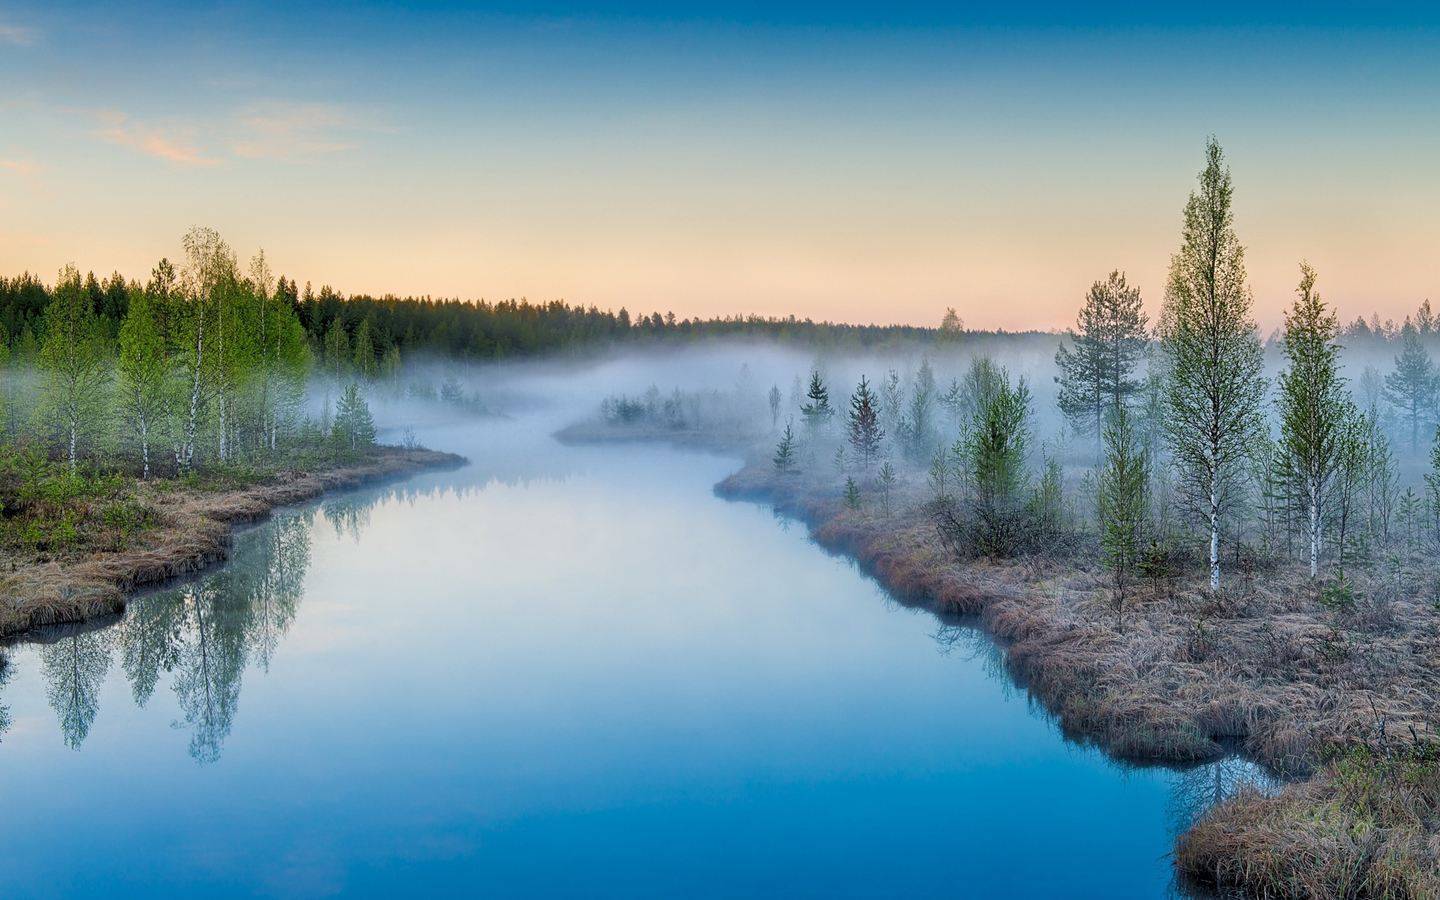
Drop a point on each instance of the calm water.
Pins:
(558, 671)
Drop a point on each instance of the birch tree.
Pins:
(1314, 406)
(73, 360)
(1215, 388)
(142, 371)
(208, 263)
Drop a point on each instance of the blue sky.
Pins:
(838, 160)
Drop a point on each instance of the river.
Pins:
(566, 671)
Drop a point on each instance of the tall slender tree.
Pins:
(142, 372)
(1214, 357)
(73, 359)
(1123, 502)
(1314, 405)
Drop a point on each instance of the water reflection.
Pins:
(75, 667)
(202, 634)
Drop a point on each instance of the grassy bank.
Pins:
(1341, 693)
(73, 545)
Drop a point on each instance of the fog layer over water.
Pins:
(558, 670)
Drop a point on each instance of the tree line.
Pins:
(202, 364)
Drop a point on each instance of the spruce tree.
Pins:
(774, 398)
(1097, 369)
(817, 411)
(852, 493)
(864, 427)
(1213, 356)
(1314, 406)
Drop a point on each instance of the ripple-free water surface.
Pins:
(558, 671)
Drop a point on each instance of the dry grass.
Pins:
(192, 532)
(1367, 825)
(1182, 675)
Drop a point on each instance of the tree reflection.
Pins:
(349, 515)
(5, 671)
(1195, 790)
(75, 667)
(202, 634)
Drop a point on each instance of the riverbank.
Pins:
(1326, 693)
(86, 553)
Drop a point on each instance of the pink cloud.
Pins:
(164, 144)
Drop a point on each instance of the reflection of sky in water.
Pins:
(562, 670)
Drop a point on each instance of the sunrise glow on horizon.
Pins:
(825, 161)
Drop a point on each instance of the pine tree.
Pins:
(1314, 406)
(1411, 387)
(1123, 502)
(73, 360)
(852, 493)
(785, 450)
(1097, 369)
(142, 374)
(818, 411)
(864, 426)
(1213, 356)
(774, 398)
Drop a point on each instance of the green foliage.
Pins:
(354, 428)
(1123, 502)
(852, 493)
(1314, 408)
(1213, 356)
(996, 455)
(142, 375)
(817, 411)
(73, 360)
(1338, 595)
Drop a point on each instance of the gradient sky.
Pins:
(842, 161)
